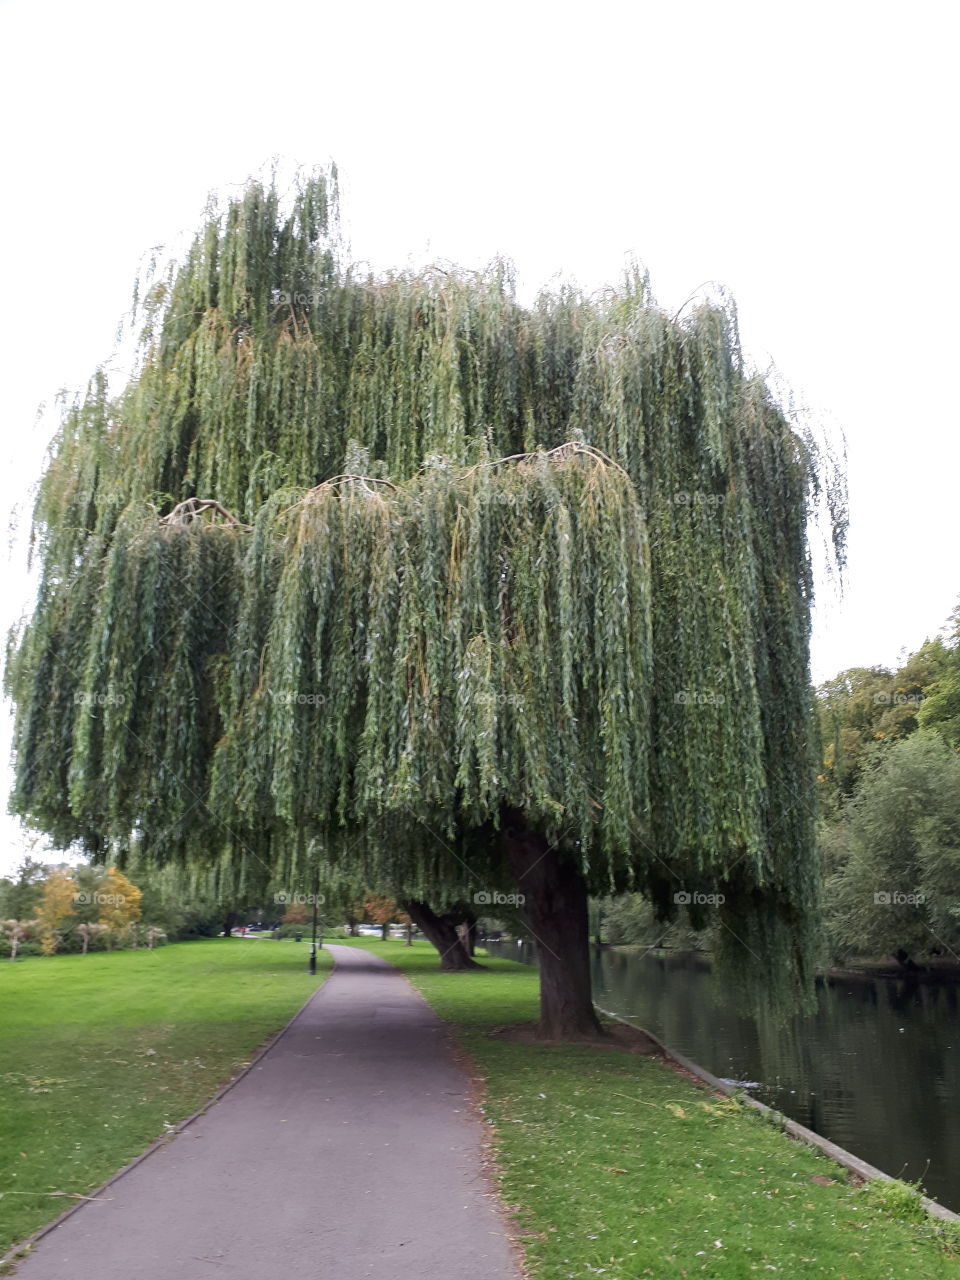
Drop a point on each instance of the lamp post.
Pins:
(313, 946)
(312, 968)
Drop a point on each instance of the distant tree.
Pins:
(941, 711)
(895, 884)
(154, 935)
(351, 918)
(57, 904)
(630, 919)
(87, 930)
(21, 894)
(849, 707)
(867, 705)
(941, 707)
(296, 913)
(16, 932)
(119, 902)
(382, 911)
(451, 929)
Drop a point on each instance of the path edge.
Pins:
(17, 1252)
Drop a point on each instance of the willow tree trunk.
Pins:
(467, 930)
(556, 909)
(443, 933)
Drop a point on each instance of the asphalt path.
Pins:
(350, 1149)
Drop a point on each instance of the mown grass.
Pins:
(100, 1053)
(617, 1166)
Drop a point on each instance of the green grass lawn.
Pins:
(617, 1166)
(98, 1053)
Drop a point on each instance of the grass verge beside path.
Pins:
(99, 1053)
(617, 1166)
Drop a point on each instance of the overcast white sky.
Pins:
(804, 155)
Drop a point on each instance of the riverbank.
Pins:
(615, 1164)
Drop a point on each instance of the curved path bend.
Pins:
(349, 1150)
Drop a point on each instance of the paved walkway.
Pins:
(348, 1151)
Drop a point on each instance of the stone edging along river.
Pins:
(798, 1131)
(875, 1070)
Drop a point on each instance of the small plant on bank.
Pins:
(899, 1199)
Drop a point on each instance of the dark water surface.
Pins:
(876, 1068)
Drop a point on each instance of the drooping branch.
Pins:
(185, 513)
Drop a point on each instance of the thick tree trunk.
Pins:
(229, 920)
(442, 932)
(555, 907)
(384, 932)
(409, 941)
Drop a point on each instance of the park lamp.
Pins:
(312, 967)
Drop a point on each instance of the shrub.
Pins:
(24, 949)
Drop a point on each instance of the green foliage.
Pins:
(20, 896)
(630, 919)
(24, 949)
(404, 627)
(292, 930)
(899, 1199)
(941, 708)
(863, 706)
(895, 856)
(941, 711)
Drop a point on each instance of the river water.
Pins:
(876, 1068)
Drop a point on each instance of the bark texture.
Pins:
(556, 910)
(442, 931)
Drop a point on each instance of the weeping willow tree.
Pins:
(394, 579)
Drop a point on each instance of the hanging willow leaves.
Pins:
(454, 556)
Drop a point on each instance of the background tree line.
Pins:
(48, 908)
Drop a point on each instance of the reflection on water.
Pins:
(876, 1068)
